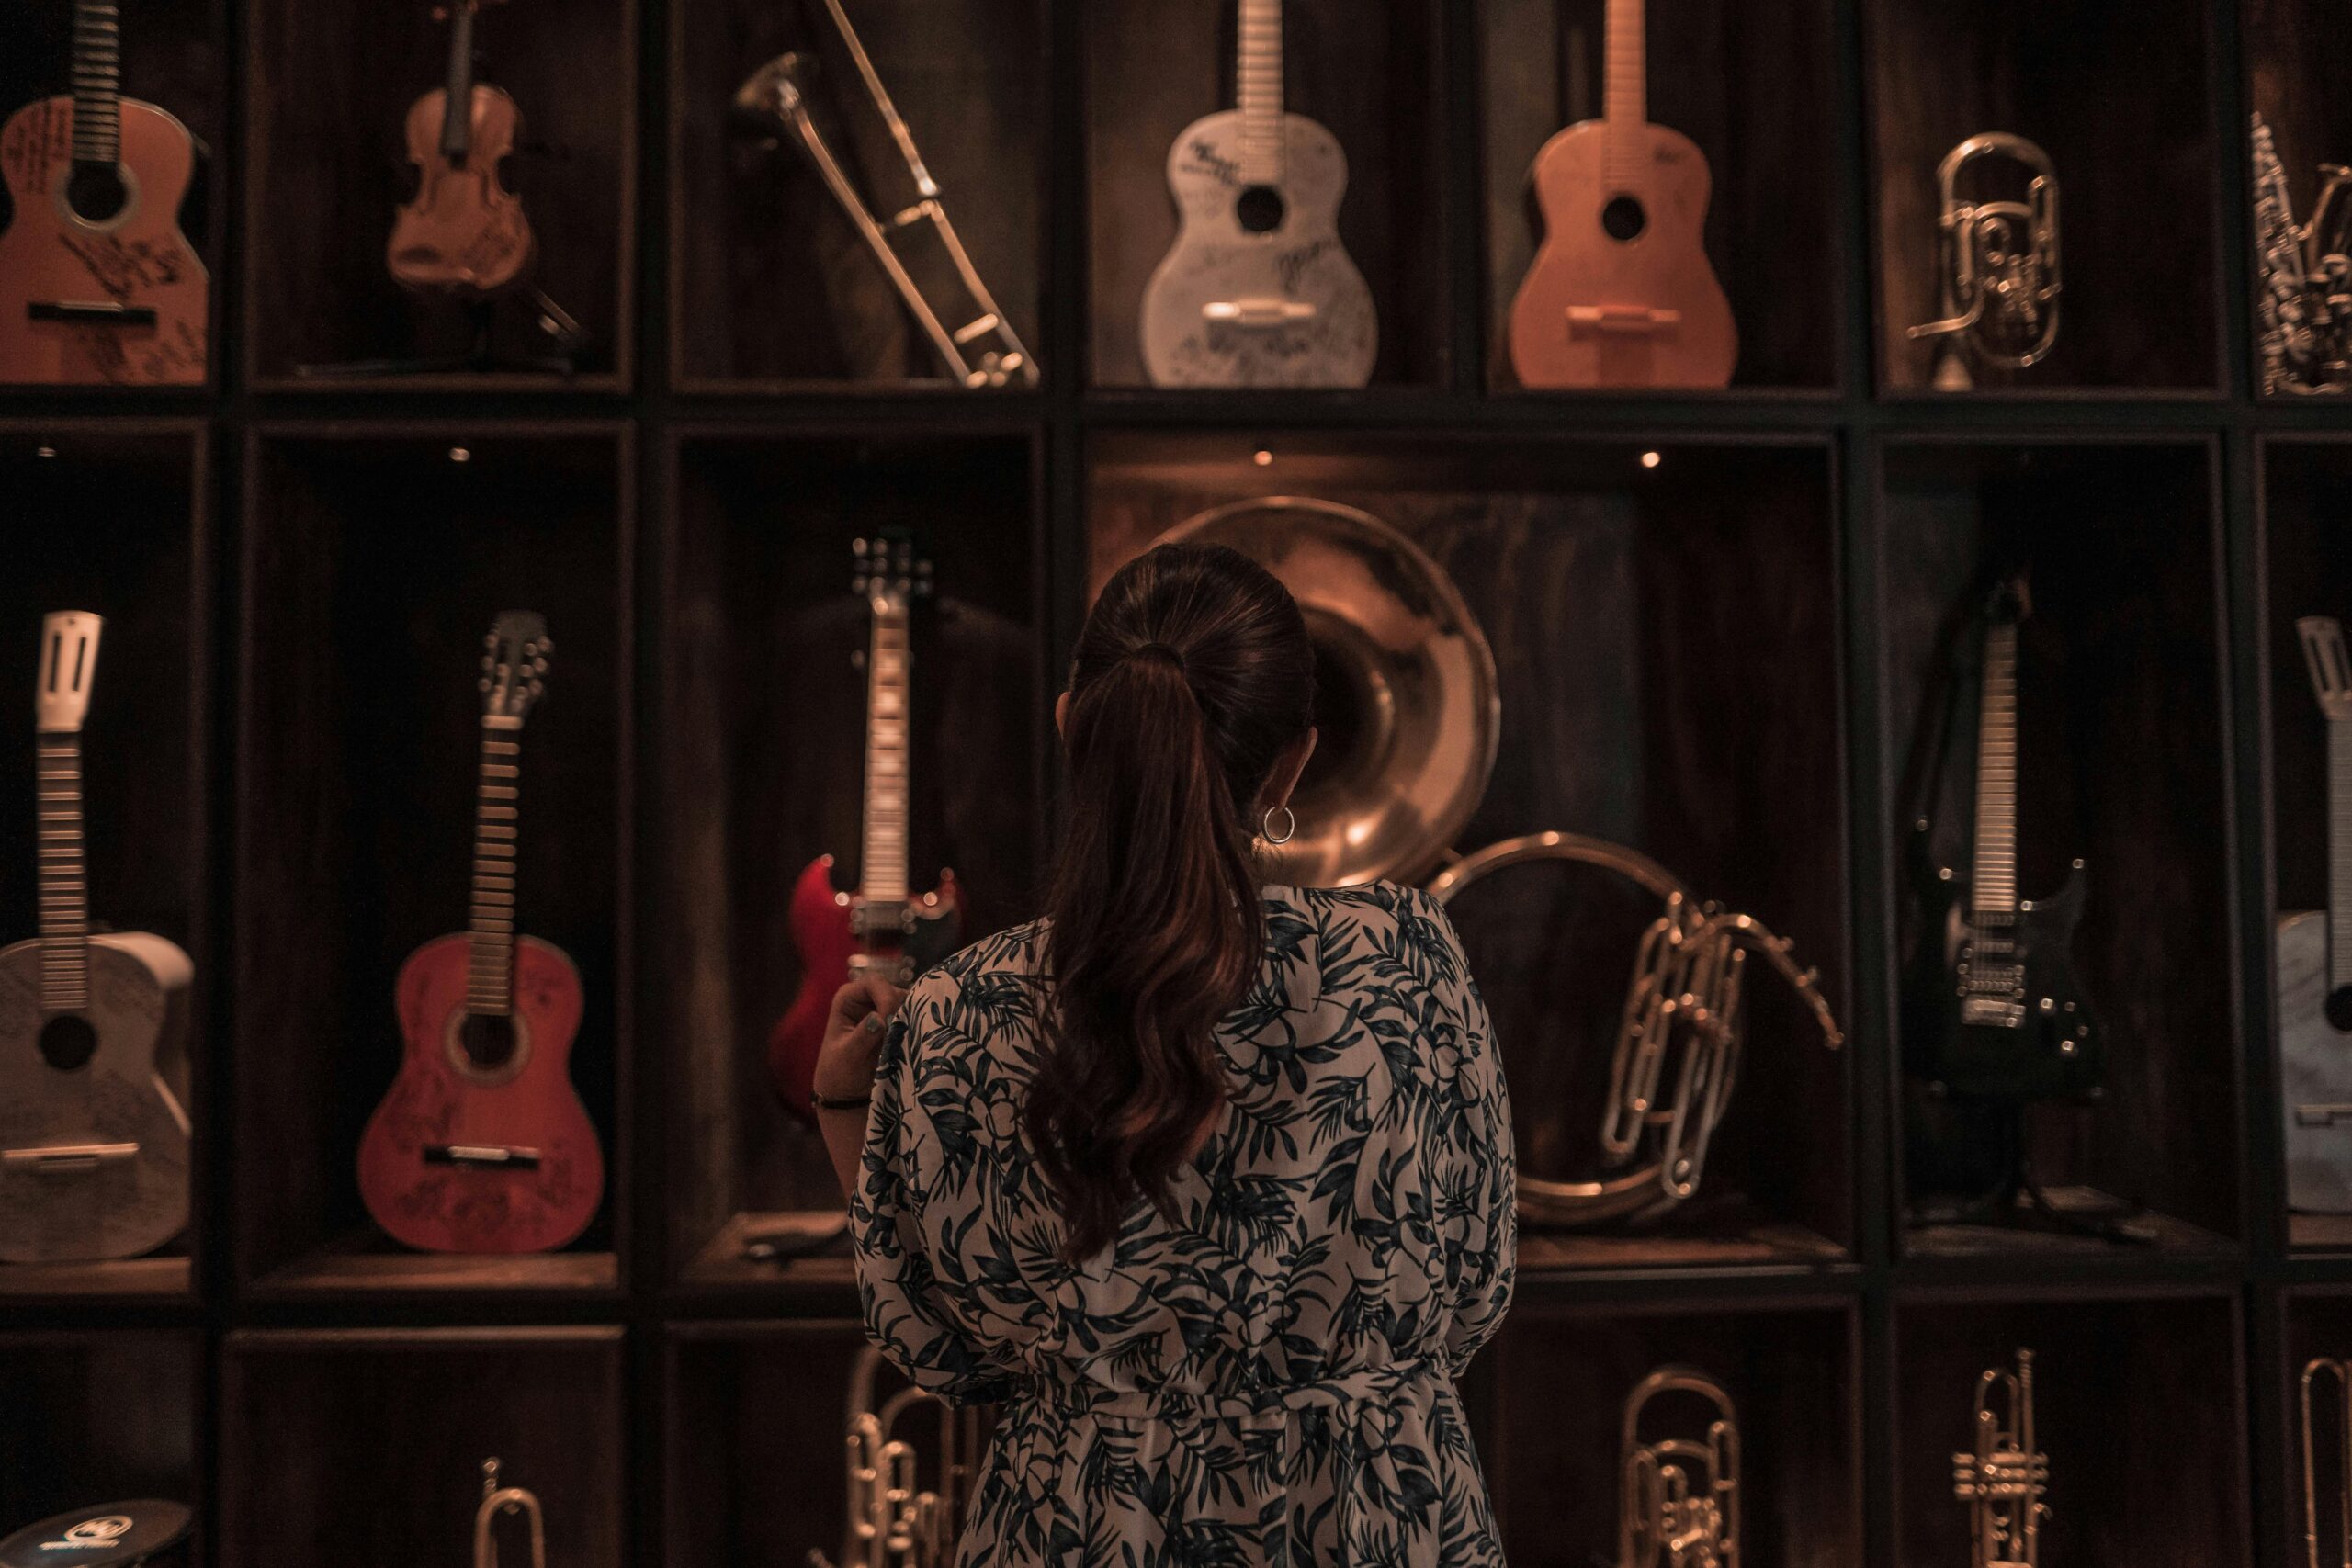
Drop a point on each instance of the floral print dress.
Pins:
(1271, 1378)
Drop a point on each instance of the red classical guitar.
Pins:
(879, 927)
(481, 1145)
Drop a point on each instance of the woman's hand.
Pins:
(853, 1038)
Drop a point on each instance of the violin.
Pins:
(463, 232)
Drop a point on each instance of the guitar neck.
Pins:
(64, 886)
(457, 107)
(490, 972)
(2339, 853)
(1993, 884)
(1260, 93)
(97, 82)
(1625, 94)
(883, 868)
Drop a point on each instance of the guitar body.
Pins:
(446, 1096)
(1226, 252)
(464, 232)
(1600, 311)
(2056, 1049)
(824, 935)
(136, 258)
(2314, 1069)
(123, 1093)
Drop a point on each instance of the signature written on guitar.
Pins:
(1205, 160)
(122, 266)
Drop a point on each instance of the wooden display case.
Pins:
(761, 769)
(1751, 86)
(2135, 160)
(1665, 629)
(2120, 658)
(776, 289)
(326, 166)
(366, 1448)
(373, 565)
(97, 1417)
(116, 514)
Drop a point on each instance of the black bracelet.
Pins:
(846, 1103)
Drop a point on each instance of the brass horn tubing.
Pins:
(509, 1499)
(2342, 1371)
(1710, 1067)
(1637, 1060)
(2335, 186)
(1757, 937)
(1655, 1511)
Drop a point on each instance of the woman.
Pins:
(1209, 1186)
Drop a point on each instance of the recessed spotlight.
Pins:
(460, 455)
(1262, 458)
(1649, 459)
(44, 451)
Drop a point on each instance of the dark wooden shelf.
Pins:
(364, 1264)
(118, 1279)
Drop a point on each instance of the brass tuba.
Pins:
(1681, 1031)
(2342, 1373)
(1405, 691)
(497, 1500)
(1678, 1497)
(2002, 1480)
(1998, 261)
(893, 1523)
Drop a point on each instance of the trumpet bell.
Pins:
(1407, 699)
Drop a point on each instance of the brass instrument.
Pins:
(1682, 1025)
(917, 246)
(1678, 1497)
(2305, 305)
(1407, 698)
(497, 1500)
(2002, 1480)
(1998, 261)
(893, 1523)
(2341, 1371)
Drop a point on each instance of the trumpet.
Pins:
(2342, 1371)
(1682, 1026)
(893, 1523)
(2002, 1480)
(497, 1500)
(1999, 262)
(1678, 1497)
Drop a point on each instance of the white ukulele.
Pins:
(2315, 967)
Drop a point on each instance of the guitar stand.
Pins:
(2022, 1204)
(482, 357)
(783, 1240)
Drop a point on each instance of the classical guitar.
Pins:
(463, 232)
(93, 1141)
(97, 284)
(1994, 1009)
(877, 927)
(481, 1145)
(1621, 293)
(2315, 967)
(1258, 292)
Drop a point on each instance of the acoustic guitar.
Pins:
(464, 231)
(1621, 293)
(481, 1145)
(2315, 967)
(94, 1139)
(877, 928)
(1258, 292)
(98, 284)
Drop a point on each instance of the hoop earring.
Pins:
(1290, 826)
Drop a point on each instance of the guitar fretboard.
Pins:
(64, 886)
(490, 971)
(1260, 92)
(1625, 94)
(97, 82)
(2339, 853)
(1992, 889)
(883, 870)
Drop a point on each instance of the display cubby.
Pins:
(373, 565)
(2120, 657)
(97, 1417)
(757, 238)
(366, 1448)
(1751, 87)
(326, 166)
(2136, 316)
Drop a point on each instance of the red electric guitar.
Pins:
(879, 927)
(481, 1145)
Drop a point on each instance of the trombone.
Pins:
(2341, 1371)
(497, 1500)
(1678, 1497)
(893, 1522)
(2002, 1480)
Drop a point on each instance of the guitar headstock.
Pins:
(69, 660)
(892, 572)
(514, 665)
(2331, 670)
(2011, 600)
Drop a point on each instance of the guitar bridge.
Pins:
(1629, 320)
(1258, 313)
(67, 1159)
(1993, 1012)
(483, 1156)
(91, 312)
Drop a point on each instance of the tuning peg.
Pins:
(483, 684)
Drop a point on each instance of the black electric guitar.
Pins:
(1993, 1010)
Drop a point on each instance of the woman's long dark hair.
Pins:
(1193, 675)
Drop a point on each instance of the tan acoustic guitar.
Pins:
(1621, 293)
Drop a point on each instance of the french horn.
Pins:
(1406, 698)
(1680, 1033)
(893, 1522)
(1998, 261)
(1678, 1502)
(2341, 1371)
(497, 1500)
(2003, 1478)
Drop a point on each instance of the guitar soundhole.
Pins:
(96, 192)
(1623, 218)
(2339, 1008)
(68, 1042)
(487, 1039)
(1260, 209)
